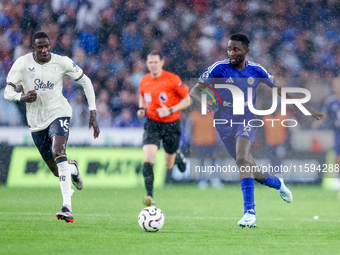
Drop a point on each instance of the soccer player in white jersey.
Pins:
(41, 74)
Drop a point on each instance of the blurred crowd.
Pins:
(296, 40)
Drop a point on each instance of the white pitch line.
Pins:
(171, 217)
(48, 214)
(235, 218)
(112, 215)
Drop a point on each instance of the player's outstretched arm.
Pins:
(86, 83)
(142, 107)
(93, 123)
(165, 111)
(316, 114)
(195, 93)
(11, 94)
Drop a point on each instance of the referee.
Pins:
(162, 97)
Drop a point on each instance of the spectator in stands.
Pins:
(103, 112)
(79, 110)
(130, 28)
(88, 40)
(131, 40)
(69, 91)
(87, 16)
(126, 119)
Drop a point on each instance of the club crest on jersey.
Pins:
(31, 69)
(148, 98)
(250, 80)
(162, 97)
(42, 86)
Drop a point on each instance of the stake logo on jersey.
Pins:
(41, 85)
(47, 80)
(162, 97)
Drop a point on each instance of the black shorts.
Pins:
(168, 133)
(43, 138)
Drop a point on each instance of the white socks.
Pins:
(64, 171)
(73, 169)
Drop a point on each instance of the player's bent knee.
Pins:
(149, 160)
(169, 165)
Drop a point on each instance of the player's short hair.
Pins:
(39, 35)
(156, 53)
(241, 38)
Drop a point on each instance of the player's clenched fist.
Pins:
(141, 113)
(29, 97)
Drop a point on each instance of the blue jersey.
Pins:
(221, 72)
(332, 109)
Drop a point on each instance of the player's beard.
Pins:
(237, 63)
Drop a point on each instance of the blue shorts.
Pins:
(43, 138)
(229, 138)
(337, 143)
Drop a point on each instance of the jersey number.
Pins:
(64, 125)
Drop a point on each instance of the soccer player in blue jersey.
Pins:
(239, 137)
(331, 111)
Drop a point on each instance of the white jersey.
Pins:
(47, 80)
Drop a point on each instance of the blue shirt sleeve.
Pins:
(267, 77)
(208, 76)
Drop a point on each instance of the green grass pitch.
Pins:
(196, 222)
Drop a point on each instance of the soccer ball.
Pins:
(151, 219)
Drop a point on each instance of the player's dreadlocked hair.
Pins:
(39, 35)
(241, 38)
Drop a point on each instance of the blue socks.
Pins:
(271, 181)
(247, 186)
